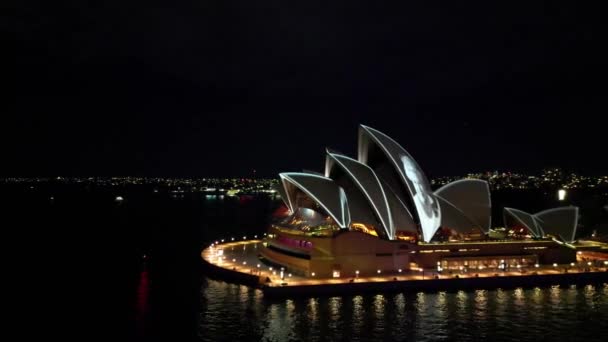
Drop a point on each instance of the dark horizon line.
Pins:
(272, 177)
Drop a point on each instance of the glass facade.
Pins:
(488, 262)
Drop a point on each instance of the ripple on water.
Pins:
(233, 312)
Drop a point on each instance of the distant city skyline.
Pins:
(496, 179)
(256, 175)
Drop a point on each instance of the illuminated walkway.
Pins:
(242, 257)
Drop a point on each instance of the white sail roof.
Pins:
(559, 222)
(427, 206)
(368, 184)
(471, 198)
(324, 191)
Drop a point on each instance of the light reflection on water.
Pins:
(590, 295)
(379, 309)
(334, 321)
(143, 293)
(358, 315)
(519, 299)
(234, 312)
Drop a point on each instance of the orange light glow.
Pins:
(364, 229)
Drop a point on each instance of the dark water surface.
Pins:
(236, 312)
(78, 261)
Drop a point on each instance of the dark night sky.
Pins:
(218, 88)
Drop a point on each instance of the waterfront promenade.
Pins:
(239, 261)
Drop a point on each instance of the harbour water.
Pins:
(131, 270)
(236, 312)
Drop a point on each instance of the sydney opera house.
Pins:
(377, 213)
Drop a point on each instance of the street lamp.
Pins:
(357, 274)
(379, 271)
(282, 273)
(422, 270)
(312, 274)
(399, 270)
(561, 194)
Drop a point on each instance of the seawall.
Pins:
(432, 285)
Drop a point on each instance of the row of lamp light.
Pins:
(217, 242)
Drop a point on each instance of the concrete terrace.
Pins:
(239, 260)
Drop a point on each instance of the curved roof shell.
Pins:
(419, 189)
(402, 218)
(471, 198)
(525, 219)
(322, 190)
(454, 218)
(368, 184)
(559, 222)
